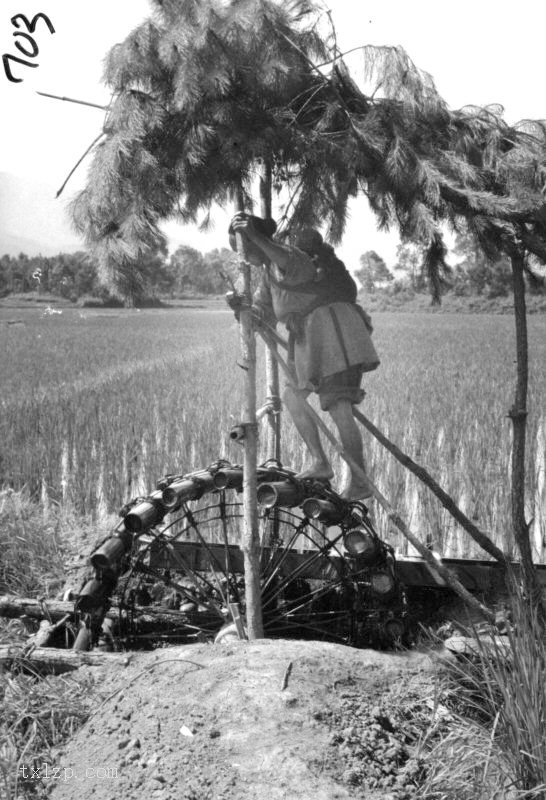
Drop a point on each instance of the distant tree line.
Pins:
(474, 274)
(188, 271)
(75, 275)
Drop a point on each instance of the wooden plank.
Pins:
(475, 575)
(199, 558)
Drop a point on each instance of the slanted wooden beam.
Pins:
(394, 517)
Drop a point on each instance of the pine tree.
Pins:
(206, 91)
(202, 95)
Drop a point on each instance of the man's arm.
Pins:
(278, 253)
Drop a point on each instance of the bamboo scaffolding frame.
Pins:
(446, 574)
(425, 477)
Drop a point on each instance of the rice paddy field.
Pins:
(97, 405)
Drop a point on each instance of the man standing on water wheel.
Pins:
(307, 288)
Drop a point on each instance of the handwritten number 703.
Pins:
(28, 46)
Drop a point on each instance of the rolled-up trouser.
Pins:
(344, 385)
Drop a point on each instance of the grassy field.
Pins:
(97, 405)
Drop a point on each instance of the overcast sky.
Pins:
(478, 52)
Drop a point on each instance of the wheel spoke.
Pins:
(274, 566)
(317, 555)
(303, 572)
(313, 595)
(212, 558)
(232, 583)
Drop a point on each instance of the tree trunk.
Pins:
(51, 659)
(14, 607)
(148, 619)
(251, 541)
(518, 415)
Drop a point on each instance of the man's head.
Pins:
(309, 240)
(266, 227)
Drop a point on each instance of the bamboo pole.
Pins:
(425, 477)
(73, 100)
(446, 574)
(273, 429)
(518, 415)
(273, 432)
(251, 539)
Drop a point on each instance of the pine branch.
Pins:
(77, 164)
(72, 100)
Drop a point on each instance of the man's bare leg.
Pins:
(320, 468)
(359, 487)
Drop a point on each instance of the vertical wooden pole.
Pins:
(273, 434)
(518, 415)
(251, 542)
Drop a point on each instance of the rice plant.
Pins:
(97, 406)
(37, 713)
(501, 685)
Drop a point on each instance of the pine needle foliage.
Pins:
(200, 98)
(205, 91)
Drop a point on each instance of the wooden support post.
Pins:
(251, 542)
(451, 580)
(273, 430)
(518, 415)
(273, 433)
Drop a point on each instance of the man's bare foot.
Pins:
(318, 471)
(358, 490)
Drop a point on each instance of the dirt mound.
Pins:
(268, 719)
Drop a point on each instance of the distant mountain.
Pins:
(32, 220)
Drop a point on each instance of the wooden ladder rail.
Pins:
(446, 574)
